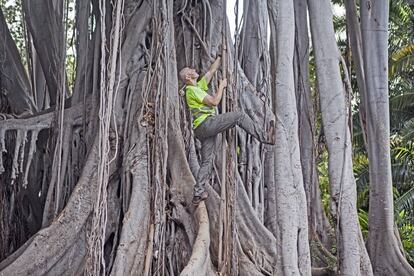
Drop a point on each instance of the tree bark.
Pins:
(151, 227)
(354, 31)
(289, 227)
(14, 83)
(45, 23)
(386, 256)
(320, 231)
(334, 109)
(254, 60)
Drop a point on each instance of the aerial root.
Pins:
(15, 164)
(2, 149)
(199, 263)
(21, 152)
(32, 150)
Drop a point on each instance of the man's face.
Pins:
(192, 74)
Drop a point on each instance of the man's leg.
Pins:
(208, 151)
(216, 124)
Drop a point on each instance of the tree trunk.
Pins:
(351, 250)
(14, 84)
(127, 156)
(291, 226)
(320, 231)
(254, 59)
(354, 31)
(45, 23)
(386, 256)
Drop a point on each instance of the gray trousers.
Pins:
(207, 133)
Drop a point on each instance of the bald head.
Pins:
(183, 73)
(188, 75)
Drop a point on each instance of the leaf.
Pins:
(402, 102)
(406, 201)
(401, 60)
(407, 131)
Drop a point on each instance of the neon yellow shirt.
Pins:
(195, 96)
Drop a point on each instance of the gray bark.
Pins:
(386, 256)
(354, 31)
(254, 59)
(152, 228)
(289, 227)
(84, 48)
(45, 23)
(47, 247)
(319, 227)
(14, 83)
(334, 109)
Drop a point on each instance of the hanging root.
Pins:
(15, 164)
(200, 258)
(21, 152)
(2, 149)
(47, 248)
(32, 150)
(34, 124)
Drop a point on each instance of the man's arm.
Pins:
(212, 70)
(215, 99)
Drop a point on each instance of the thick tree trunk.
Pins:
(355, 39)
(386, 256)
(254, 60)
(46, 249)
(14, 84)
(45, 23)
(351, 250)
(289, 227)
(131, 211)
(320, 231)
(84, 49)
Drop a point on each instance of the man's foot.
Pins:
(271, 134)
(198, 199)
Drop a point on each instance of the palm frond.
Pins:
(401, 60)
(406, 201)
(404, 153)
(363, 222)
(407, 131)
(361, 172)
(402, 102)
(400, 10)
(401, 112)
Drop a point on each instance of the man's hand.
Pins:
(215, 99)
(223, 83)
(212, 69)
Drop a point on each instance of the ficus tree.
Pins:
(98, 179)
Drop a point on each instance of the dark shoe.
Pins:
(271, 134)
(198, 199)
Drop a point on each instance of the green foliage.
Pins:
(403, 102)
(361, 171)
(405, 202)
(323, 173)
(402, 60)
(401, 41)
(401, 113)
(70, 31)
(402, 154)
(363, 222)
(401, 26)
(406, 231)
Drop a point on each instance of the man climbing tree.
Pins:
(207, 125)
